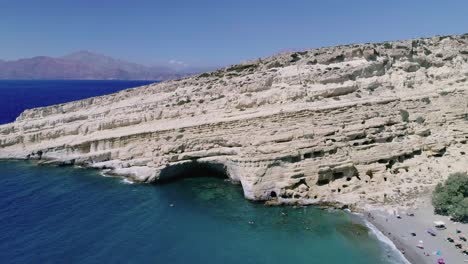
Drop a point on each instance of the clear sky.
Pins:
(214, 32)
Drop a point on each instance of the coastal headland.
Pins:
(363, 126)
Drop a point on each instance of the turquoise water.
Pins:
(70, 215)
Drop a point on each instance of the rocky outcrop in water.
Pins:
(355, 124)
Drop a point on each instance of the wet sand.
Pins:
(399, 231)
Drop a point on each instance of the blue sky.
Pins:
(214, 32)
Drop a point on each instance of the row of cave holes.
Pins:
(274, 195)
(310, 155)
(366, 142)
(372, 141)
(285, 196)
(338, 175)
(392, 162)
(401, 158)
(368, 173)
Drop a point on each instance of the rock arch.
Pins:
(218, 166)
(192, 169)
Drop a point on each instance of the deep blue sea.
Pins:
(16, 96)
(72, 215)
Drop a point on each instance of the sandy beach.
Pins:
(410, 236)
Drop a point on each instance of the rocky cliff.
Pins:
(355, 124)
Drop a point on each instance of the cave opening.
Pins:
(321, 182)
(192, 169)
(338, 175)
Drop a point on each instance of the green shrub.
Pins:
(420, 120)
(275, 64)
(242, 67)
(388, 45)
(426, 100)
(451, 197)
(404, 115)
(295, 57)
(182, 102)
(427, 52)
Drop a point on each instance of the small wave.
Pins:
(127, 181)
(380, 236)
(103, 173)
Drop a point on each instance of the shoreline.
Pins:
(392, 249)
(411, 256)
(408, 232)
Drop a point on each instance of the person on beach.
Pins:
(420, 244)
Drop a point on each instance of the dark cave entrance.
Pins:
(192, 169)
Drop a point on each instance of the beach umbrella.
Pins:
(420, 244)
(439, 225)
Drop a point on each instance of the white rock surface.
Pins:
(356, 124)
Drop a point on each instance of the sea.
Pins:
(73, 215)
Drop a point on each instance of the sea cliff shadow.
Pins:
(191, 169)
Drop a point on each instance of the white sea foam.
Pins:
(380, 236)
(124, 180)
(127, 181)
(103, 173)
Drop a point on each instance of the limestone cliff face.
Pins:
(370, 123)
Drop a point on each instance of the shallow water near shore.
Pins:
(65, 214)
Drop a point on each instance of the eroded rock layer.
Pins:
(370, 123)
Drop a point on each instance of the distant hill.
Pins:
(85, 65)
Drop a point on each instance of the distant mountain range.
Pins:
(85, 65)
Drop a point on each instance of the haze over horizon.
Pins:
(177, 66)
(213, 33)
